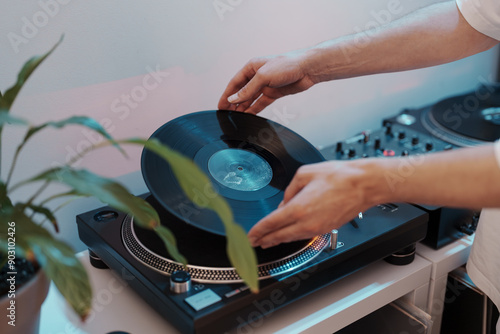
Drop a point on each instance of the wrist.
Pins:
(374, 181)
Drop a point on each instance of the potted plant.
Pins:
(24, 241)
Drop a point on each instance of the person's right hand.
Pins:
(263, 80)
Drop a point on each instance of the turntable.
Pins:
(468, 119)
(250, 160)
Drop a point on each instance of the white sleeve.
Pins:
(497, 151)
(482, 15)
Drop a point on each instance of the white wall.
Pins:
(135, 65)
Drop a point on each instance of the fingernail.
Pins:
(233, 98)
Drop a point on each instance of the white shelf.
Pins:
(116, 307)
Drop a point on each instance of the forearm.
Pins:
(430, 36)
(468, 177)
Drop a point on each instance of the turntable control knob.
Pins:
(405, 153)
(180, 281)
(414, 140)
(401, 135)
(351, 152)
(376, 144)
(429, 146)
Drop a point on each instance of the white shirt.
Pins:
(482, 15)
(483, 265)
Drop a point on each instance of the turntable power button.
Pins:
(180, 281)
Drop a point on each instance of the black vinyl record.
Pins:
(250, 161)
(474, 115)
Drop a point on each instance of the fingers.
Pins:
(243, 86)
(280, 225)
(276, 220)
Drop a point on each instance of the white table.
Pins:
(444, 261)
(117, 308)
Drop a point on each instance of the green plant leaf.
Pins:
(194, 182)
(10, 94)
(169, 239)
(6, 205)
(7, 118)
(55, 257)
(45, 212)
(112, 193)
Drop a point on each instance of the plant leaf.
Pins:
(7, 118)
(169, 239)
(10, 95)
(45, 212)
(112, 193)
(56, 258)
(194, 182)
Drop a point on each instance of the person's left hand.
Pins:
(320, 197)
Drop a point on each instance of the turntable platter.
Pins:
(206, 252)
(465, 120)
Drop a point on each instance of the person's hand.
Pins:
(263, 80)
(320, 197)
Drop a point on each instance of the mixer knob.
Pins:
(405, 153)
(389, 153)
(414, 140)
(338, 148)
(388, 129)
(429, 146)
(180, 281)
(376, 144)
(366, 137)
(401, 135)
(351, 152)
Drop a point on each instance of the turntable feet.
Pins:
(96, 261)
(403, 257)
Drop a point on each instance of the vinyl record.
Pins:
(250, 161)
(474, 115)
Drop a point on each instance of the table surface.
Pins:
(116, 307)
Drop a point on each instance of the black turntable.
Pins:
(212, 298)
